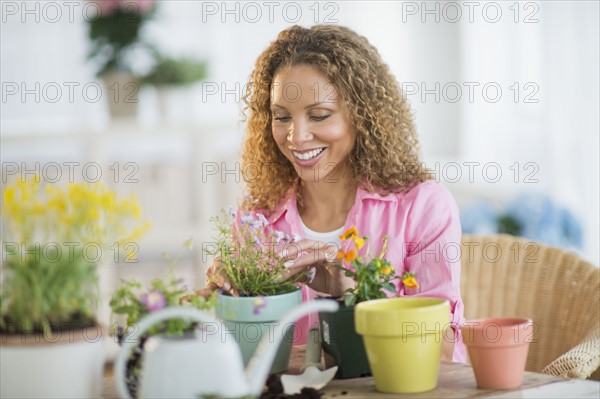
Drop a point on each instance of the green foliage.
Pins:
(371, 279)
(112, 34)
(508, 225)
(53, 238)
(127, 301)
(171, 71)
(42, 294)
(250, 257)
(132, 301)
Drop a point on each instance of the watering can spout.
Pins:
(260, 363)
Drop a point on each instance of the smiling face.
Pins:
(311, 124)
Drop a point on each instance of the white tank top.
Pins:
(331, 237)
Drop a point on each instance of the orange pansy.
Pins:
(350, 233)
(347, 256)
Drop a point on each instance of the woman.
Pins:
(331, 144)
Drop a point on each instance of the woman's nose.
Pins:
(299, 134)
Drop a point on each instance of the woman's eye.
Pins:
(282, 118)
(320, 118)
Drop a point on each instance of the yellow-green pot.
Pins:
(403, 339)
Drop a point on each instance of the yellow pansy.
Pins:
(387, 270)
(409, 280)
(359, 242)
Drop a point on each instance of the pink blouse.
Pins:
(424, 234)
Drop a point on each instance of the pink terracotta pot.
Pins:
(498, 350)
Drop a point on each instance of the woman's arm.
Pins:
(447, 350)
(433, 254)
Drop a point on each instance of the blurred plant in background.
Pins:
(533, 216)
(175, 71)
(53, 240)
(115, 32)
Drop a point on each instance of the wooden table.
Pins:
(456, 380)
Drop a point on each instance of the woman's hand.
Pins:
(305, 254)
(447, 348)
(216, 279)
(330, 279)
(300, 257)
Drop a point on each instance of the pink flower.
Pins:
(154, 300)
(145, 5)
(107, 7)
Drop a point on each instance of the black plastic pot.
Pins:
(340, 341)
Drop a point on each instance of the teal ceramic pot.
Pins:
(249, 319)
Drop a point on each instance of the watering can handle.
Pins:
(257, 370)
(129, 341)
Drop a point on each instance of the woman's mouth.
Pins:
(305, 156)
(308, 158)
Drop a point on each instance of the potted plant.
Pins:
(170, 76)
(131, 302)
(248, 253)
(373, 280)
(53, 241)
(115, 43)
(173, 72)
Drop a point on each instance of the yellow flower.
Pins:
(107, 201)
(409, 280)
(77, 212)
(93, 214)
(387, 270)
(350, 233)
(9, 195)
(347, 256)
(359, 242)
(136, 234)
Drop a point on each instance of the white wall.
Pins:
(552, 126)
(558, 53)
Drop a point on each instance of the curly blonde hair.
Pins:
(385, 158)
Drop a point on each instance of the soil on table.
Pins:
(274, 390)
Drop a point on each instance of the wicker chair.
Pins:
(504, 275)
